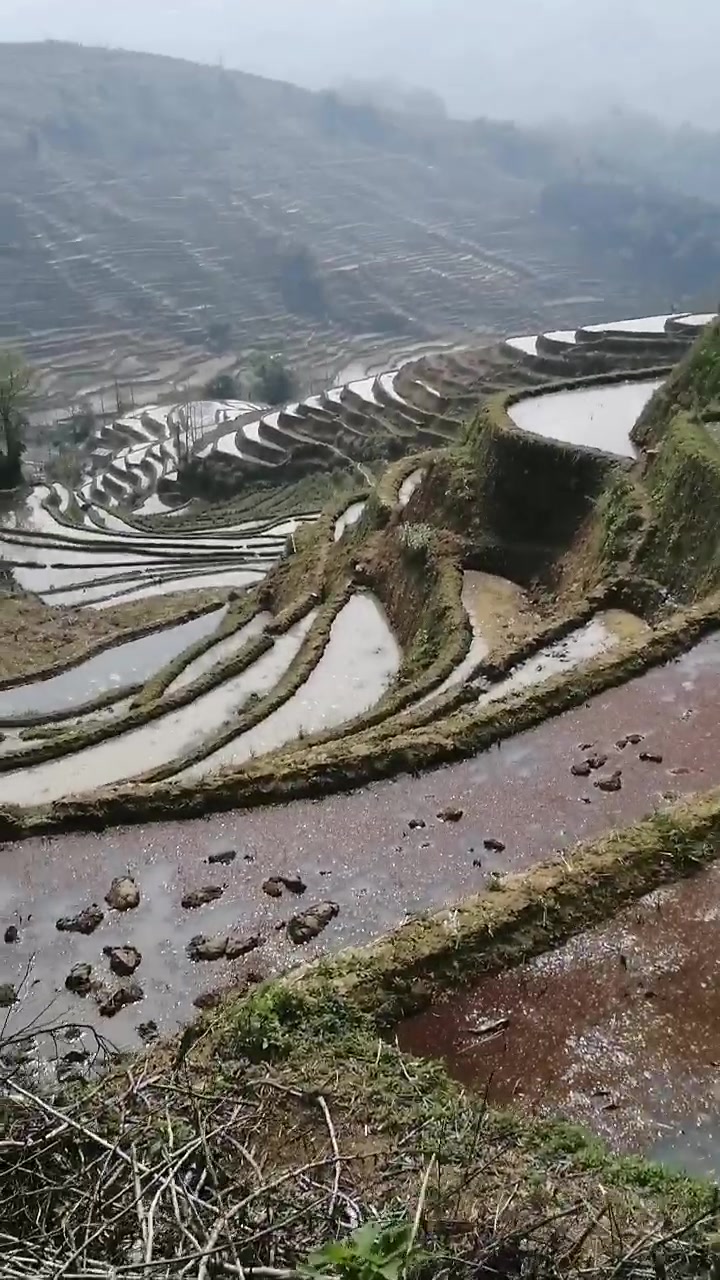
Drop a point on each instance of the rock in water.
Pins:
(113, 999)
(86, 921)
(8, 995)
(596, 761)
(293, 884)
(493, 845)
(237, 946)
(450, 814)
(611, 782)
(308, 924)
(651, 757)
(581, 770)
(148, 1031)
(202, 948)
(12, 934)
(200, 897)
(223, 946)
(79, 979)
(275, 885)
(272, 887)
(123, 894)
(223, 859)
(123, 960)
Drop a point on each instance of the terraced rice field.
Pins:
(247, 689)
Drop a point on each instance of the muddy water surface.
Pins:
(356, 849)
(476, 610)
(348, 518)
(409, 485)
(618, 1031)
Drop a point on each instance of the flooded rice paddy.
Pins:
(598, 417)
(357, 850)
(218, 653)
(409, 485)
(618, 1031)
(157, 743)
(598, 636)
(348, 518)
(122, 665)
(359, 662)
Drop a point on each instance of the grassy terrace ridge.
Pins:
(304, 1121)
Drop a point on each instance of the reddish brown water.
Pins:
(355, 849)
(618, 1031)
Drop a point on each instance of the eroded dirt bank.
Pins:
(358, 850)
(619, 1030)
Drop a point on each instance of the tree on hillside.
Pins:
(82, 422)
(219, 333)
(272, 380)
(300, 282)
(224, 386)
(16, 388)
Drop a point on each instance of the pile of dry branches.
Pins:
(159, 1180)
(207, 1167)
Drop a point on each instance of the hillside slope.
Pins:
(152, 207)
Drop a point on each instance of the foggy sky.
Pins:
(522, 59)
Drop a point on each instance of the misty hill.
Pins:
(151, 207)
(684, 158)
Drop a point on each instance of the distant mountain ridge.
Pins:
(151, 207)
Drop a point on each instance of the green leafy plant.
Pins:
(375, 1251)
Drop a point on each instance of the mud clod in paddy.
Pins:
(79, 979)
(450, 814)
(123, 960)
(308, 924)
(222, 859)
(85, 922)
(201, 897)
(123, 894)
(112, 999)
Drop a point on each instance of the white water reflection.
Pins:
(204, 582)
(125, 664)
(598, 636)
(348, 518)
(360, 660)
(218, 653)
(598, 417)
(526, 345)
(642, 324)
(409, 485)
(157, 743)
(473, 588)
